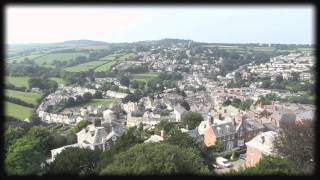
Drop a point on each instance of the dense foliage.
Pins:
(156, 159)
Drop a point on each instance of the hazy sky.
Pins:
(222, 24)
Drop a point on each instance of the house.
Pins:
(108, 116)
(260, 145)
(179, 111)
(224, 132)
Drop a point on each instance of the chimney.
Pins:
(162, 133)
(262, 139)
(97, 122)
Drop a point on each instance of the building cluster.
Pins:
(285, 66)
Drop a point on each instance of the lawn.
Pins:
(19, 81)
(145, 77)
(97, 102)
(85, 66)
(58, 80)
(29, 97)
(17, 111)
(49, 58)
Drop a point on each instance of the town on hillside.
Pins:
(231, 103)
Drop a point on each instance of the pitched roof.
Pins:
(263, 142)
(223, 129)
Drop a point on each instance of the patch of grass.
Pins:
(19, 81)
(29, 97)
(97, 102)
(58, 80)
(17, 111)
(145, 77)
(86, 66)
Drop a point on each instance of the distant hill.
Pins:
(83, 42)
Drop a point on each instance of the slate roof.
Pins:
(224, 129)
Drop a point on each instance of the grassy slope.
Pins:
(85, 66)
(17, 111)
(49, 58)
(18, 81)
(29, 97)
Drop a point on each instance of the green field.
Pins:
(29, 97)
(58, 80)
(86, 66)
(106, 66)
(49, 58)
(21, 58)
(17, 111)
(109, 57)
(145, 77)
(19, 81)
(124, 57)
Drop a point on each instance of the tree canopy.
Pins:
(192, 119)
(156, 159)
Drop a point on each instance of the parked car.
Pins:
(223, 162)
(242, 156)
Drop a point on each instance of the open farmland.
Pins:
(17, 111)
(107, 66)
(49, 58)
(22, 58)
(19, 81)
(109, 57)
(124, 57)
(85, 66)
(29, 97)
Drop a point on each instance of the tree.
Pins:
(192, 119)
(12, 134)
(185, 104)
(124, 80)
(24, 157)
(182, 140)
(156, 159)
(75, 161)
(296, 143)
(80, 125)
(43, 135)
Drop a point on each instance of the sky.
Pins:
(213, 24)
